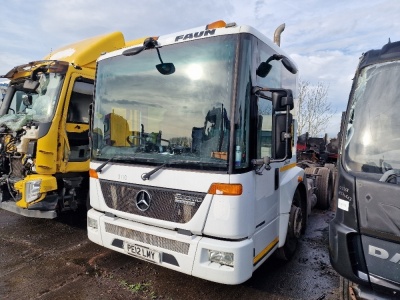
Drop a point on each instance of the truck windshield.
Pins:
(41, 104)
(46, 99)
(38, 106)
(182, 117)
(372, 140)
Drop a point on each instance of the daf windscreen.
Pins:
(37, 105)
(372, 142)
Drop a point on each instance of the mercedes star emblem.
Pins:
(143, 200)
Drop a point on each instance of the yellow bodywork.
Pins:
(53, 149)
(48, 183)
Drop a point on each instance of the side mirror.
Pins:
(287, 63)
(282, 137)
(166, 68)
(263, 69)
(281, 99)
(30, 85)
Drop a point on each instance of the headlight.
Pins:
(223, 258)
(92, 223)
(32, 190)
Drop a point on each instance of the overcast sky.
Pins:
(324, 37)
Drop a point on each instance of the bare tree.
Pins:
(314, 109)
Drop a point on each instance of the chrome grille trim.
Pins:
(147, 238)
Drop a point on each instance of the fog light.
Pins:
(92, 223)
(32, 190)
(223, 258)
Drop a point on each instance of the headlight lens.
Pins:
(32, 190)
(92, 223)
(223, 258)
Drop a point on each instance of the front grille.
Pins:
(148, 239)
(165, 204)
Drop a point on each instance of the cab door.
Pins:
(267, 181)
(76, 150)
(266, 184)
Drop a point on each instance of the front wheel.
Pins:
(295, 228)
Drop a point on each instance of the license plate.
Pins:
(142, 252)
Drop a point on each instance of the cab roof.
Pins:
(389, 52)
(217, 28)
(83, 53)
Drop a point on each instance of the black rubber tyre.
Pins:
(330, 166)
(294, 230)
(333, 170)
(309, 171)
(324, 184)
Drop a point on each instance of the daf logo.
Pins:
(143, 200)
(383, 254)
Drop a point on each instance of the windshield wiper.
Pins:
(119, 157)
(146, 176)
(99, 168)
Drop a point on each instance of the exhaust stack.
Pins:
(277, 34)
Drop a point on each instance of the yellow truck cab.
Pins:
(44, 126)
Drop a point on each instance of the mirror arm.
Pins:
(159, 55)
(256, 91)
(261, 164)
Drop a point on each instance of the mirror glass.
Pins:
(289, 65)
(166, 68)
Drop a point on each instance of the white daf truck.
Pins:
(192, 159)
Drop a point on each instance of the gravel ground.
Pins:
(53, 259)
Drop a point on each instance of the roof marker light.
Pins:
(216, 24)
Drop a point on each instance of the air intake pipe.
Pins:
(277, 34)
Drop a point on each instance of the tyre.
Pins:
(333, 170)
(324, 185)
(330, 166)
(310, 171)
(294, 231)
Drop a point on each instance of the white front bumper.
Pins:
(180, 252)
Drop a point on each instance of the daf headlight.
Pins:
(32, 190)
(223, 258)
